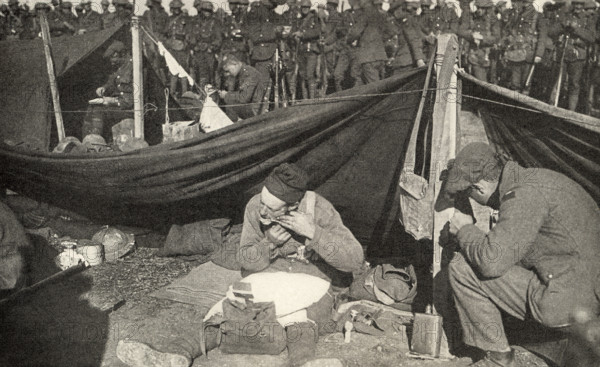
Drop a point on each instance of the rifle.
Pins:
(560, 72)
(283, 68)
(276, 67)
(265, 102)
(323, 73)
(294, 77)
(527, 87)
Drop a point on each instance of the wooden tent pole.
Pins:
(60, 127)
(138, 82)
(443, 148)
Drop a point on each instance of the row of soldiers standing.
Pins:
(527, 49)
(304, 48)
(18, 22)
(301, 49)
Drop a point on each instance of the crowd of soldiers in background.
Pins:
(316, 50)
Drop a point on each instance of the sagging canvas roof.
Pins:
(352, 143)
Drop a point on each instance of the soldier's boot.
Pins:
(184, 85)
(338, 85)
(573, 101)
(302, 341)
(312, 90)
(304, 90)
(173, 80)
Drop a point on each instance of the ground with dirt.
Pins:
(71, 323)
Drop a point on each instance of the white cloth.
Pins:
(173, 65)
(212, 117)
(292, 293)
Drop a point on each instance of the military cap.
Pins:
(335, 2)
(426, 2)
(590, 5)
(233, 1)
(105, 2)
(3, 8)
(475, 162)
(78, 7)
(176, 4)
(204, 5)
(377, 2)
(66, 5)
(41, 6)
(116, 46)
(120, 2)
(13, 2)
(244, 2)
(484, 3)
(305, 3)
(395, 4)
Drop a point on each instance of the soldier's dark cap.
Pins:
(206, 5)
(13, 2)
(244, 2)
(233, 1)
(474, 162)
(41, 6)
(336, 2)
(176, 4)
(79, 7)
(105, 2)
(84, 2)
(66, 5)
(484, 3)
(287, 182)
(115, 47)
(305, 4)
(395, 4)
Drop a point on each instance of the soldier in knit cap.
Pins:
(286, 229)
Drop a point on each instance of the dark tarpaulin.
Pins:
(537, 134)
(352, 144)
(25, 103)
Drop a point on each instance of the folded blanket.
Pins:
(203, 286)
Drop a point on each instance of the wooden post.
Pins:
(138, 82)
(60, 127)
(443, 148)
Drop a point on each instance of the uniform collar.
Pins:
(512, 176)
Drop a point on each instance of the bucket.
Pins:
(91, 251)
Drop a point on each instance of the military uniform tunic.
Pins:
(540, 260)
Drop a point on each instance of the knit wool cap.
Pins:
(287, 182)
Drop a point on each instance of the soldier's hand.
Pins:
(277, 235)
(81, 31)
(420, 63)
(222, 93)
(301, 223)
(459, 220)
(537, 60)
(477, 36)
(100, 92)
(297, 34)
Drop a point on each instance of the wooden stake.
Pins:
(138, 80)
(60, 127)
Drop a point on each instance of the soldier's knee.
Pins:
(459, 268)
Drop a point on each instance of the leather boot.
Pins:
(497, 359)
(312, 90)
(173, 85)
(184, 85)
(573, 101)
(302, 340)
(338, 86)
(304, 90)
